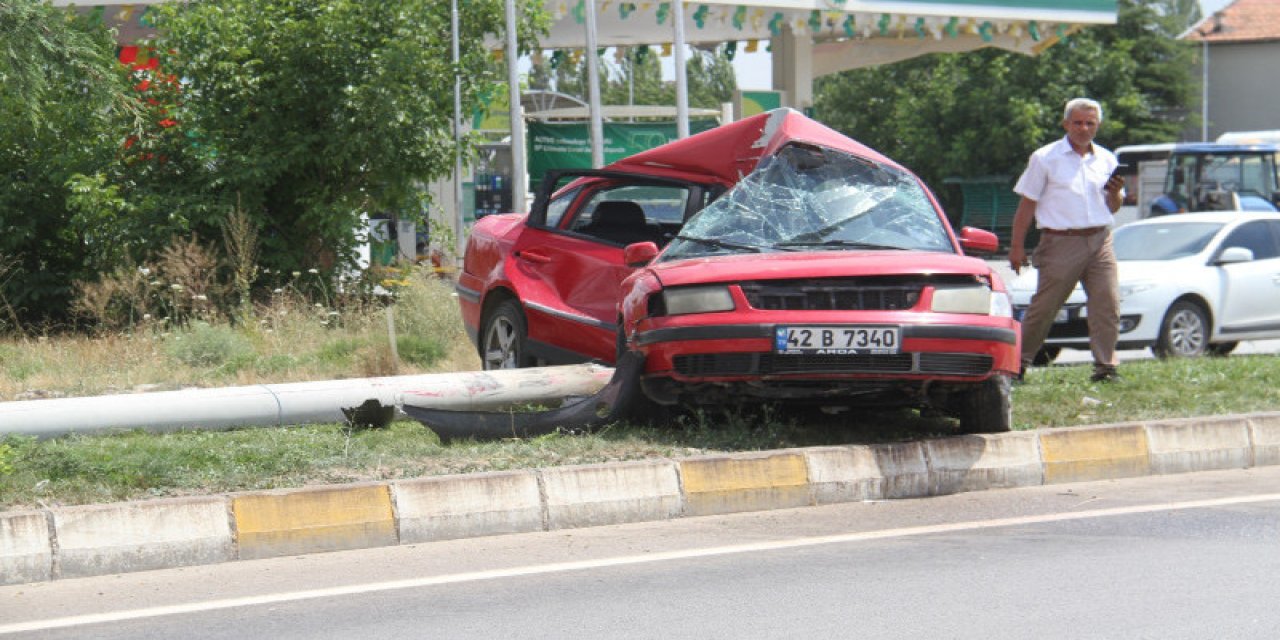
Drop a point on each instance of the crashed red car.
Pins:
(770, 259)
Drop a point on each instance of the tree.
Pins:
(711, 79)
(981, 113)
(306, 114)
(66, 109)
(635, 77)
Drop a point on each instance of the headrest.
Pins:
(617, 213)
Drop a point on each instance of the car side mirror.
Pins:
(1232, 255)
(639, 254)
(978, 240)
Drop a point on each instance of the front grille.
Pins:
(763, 364)
(869, 293)
(959, 364)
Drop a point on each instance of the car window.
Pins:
(807, 198)
(1168, 241)
(633, 213)
(560, 204)
(1255, 236)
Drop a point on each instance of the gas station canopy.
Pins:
(812, 38)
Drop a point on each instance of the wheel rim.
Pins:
(501, 345)
(1186, 333)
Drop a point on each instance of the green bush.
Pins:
(205, 345)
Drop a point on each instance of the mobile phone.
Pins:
(1121, 169)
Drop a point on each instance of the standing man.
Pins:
(1069, 190)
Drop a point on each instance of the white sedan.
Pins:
(1190, 284)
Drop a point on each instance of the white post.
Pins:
(593, 90)
(682, 80)
(459, 219)
(519, 187)
(1204, 89)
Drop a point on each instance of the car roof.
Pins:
(1208, 216)
(731, 151)
(1194, 148)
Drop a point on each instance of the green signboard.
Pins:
(752, 102)
(568, 145)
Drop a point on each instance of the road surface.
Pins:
(1185, 556)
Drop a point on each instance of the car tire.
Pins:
(987, 408)
(1184, 333)
(1045, 356)
(505, 337)
(1222, 349)
(634, 406)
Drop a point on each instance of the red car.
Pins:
(769, 259)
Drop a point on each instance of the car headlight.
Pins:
(1134, 288)
(684, 300)
(975, 300)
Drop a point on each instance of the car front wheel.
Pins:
(505, 337)
(1222, 349)
(1184, 332)
(986, 408)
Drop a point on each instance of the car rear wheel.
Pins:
(986, 408)
(1184, 332)
(505, 338)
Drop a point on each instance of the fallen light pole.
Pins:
(272, 405)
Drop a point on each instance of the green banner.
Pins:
(568, 145)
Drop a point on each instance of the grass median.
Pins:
(136, 465)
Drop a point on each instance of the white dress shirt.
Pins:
(1067, 187)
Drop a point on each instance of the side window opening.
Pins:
(634, 213)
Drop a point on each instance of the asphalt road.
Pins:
(1186, 556)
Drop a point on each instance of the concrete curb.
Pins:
(91, 540)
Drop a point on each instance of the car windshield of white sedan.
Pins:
(1163, 241)
(813, 199)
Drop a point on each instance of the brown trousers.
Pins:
(1061, 262)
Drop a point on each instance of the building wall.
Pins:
(1243, 92)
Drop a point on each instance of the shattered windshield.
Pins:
(807, 198)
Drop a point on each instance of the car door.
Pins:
(1249, 304)
(568, 261)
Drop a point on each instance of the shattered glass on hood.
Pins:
(807, 198)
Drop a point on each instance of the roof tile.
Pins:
(1240, 21)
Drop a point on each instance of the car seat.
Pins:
(620, 221)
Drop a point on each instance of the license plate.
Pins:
(836, 340)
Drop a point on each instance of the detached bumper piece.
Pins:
(583, 414)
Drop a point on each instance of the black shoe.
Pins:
(1108, 374)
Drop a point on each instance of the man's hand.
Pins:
(1113, 189)
(1018, 259)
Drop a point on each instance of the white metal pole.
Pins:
(519, 182)
(593, 90)
(1204, 90)
(682, 81)
(459, 219)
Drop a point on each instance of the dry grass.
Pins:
(290, 340)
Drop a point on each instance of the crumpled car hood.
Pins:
(731, 151)
(822, 264)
